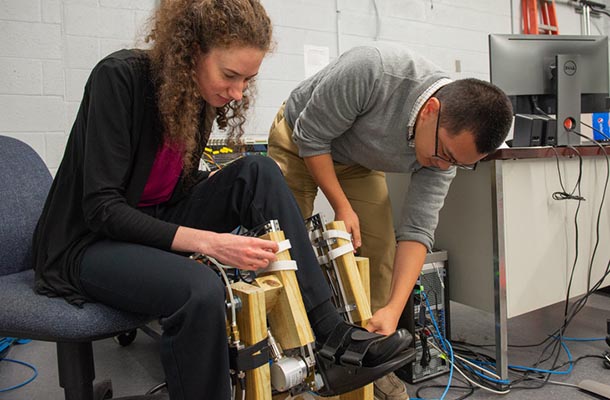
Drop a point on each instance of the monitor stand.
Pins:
(567, 88)
(600, 389)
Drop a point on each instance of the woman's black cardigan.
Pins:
(105, 167)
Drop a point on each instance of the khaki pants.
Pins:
(366, 191)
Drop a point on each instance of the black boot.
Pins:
(352, 357)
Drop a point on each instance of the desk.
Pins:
(510, 245)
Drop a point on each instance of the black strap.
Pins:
(244, 359)
(359, 345)
(335, 341)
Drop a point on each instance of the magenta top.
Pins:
(163, 176)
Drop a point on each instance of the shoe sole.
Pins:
(347, 379)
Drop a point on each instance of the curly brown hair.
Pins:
(178, 28)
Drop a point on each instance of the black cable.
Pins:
(555, 343)
(601, 202)
(474, 377)
(425, 356)
(579, 305)
(524, 382)
(579, 198)
(599, 10)
(582, 302)
(470, 389)
(564, 195)
(460, 348)
(530, 378)
(468, 386)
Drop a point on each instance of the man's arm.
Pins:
(415, 235)
(408, 262)
(323, 172)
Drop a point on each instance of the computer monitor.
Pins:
(525, 67)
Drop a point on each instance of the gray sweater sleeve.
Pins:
(345, 90)
(424, 200)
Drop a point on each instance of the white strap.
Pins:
(280, 265)
(335, 233)
(283, 246)
(341, 250)
(335, 253)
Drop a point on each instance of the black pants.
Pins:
(187, 297)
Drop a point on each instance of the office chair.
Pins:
(24, 183)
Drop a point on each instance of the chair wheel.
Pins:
(127, 338)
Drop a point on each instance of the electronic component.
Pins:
(432, 284)
(218, 153)
(528, 130)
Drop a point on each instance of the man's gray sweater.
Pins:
(358, 109)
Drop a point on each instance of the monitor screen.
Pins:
(524, 66)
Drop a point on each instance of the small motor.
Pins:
(286, 372)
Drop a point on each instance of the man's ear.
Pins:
(431, 106)
(428, 111)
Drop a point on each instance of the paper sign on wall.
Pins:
(316, 58)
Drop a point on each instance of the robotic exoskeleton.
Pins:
(271, 344)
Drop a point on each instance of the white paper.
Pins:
(316, 58)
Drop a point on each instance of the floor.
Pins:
(135, 369)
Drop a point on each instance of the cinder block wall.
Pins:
(48, 47)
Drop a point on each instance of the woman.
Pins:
(128, 201)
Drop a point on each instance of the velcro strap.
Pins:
(283, 246)
(280, 265)
(245, 359)
(335, 233)
(341, 250)
(359, 345)
(335, 341)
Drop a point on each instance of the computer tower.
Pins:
(528, 130)
(433, 284)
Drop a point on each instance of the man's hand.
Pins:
(352, 224)
(384, 321)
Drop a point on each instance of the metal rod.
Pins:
(585, 24)
(499, 253)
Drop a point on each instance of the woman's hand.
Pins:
(352, 224)
(241, 252)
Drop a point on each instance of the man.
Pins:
(376, 110)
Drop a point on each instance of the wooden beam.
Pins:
(348, 271)
(252, 323)
(288, 319)
(273, 288)
(364, 270)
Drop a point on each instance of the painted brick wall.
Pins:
(48, 47)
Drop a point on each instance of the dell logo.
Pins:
(569, 67)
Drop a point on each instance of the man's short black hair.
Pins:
(478, 107)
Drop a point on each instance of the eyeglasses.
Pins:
(469, 167)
